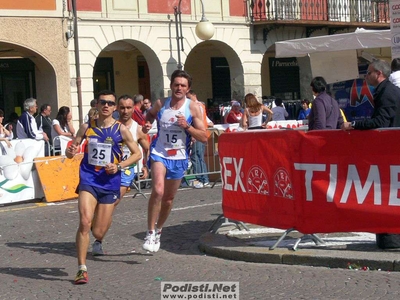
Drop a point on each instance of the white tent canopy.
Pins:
(360, 39)
(334, 56)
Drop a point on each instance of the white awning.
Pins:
(360, 39)
(334, 56)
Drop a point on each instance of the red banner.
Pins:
(314, 182)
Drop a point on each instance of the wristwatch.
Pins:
(118, 167)
(188, 126)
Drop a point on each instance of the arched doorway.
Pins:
(23, 74)
(217, 75)
(128, 67)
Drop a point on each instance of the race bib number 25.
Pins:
(99, 154)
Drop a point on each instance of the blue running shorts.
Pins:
(103, 196)
(176, 168)
(127, 176)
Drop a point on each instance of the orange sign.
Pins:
(59, 176)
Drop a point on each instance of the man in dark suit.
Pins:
(386, 114)
(386, 99)
(44, 124)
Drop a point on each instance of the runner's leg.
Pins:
(158, 172)
(171, 187)
(86, 205)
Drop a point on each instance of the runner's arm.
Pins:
(73, 148)
(198, 130)
(144, 143)
(132, 146)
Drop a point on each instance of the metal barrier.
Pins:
(60, 144)
(48, 147)
(211, 159)
(137, 182)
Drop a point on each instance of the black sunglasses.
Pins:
(109, 103)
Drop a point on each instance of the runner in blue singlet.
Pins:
(99, 174)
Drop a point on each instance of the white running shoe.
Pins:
(97, 249)
(200, 185)
(149, 242)
(157, 242)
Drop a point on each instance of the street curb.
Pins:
(222, 246)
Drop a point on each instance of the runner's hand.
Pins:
(181, 121)
(71, 150)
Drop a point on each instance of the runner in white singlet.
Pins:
(178, 119)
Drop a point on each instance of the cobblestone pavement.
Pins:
(38, 257)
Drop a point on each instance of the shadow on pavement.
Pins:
(68, 249)
(64, 248)
(180, 239)
(37, 273)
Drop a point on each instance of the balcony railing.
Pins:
(370, 11)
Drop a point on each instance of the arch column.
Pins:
(252, 76)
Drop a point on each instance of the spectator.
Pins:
(305, 111)
(234, 115)
(208, 120)
(93, 113)
(145, 109)
(5, 135)
(253, 113)
(137, 112)
(146, 106)
(198, 148)
(395, 76)
(62, 125)
(12, 124)
(26, 126)
(279, 111)
(386, 99)
(43, 122)
(386, 114)
(325, 112)
(93, 104)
